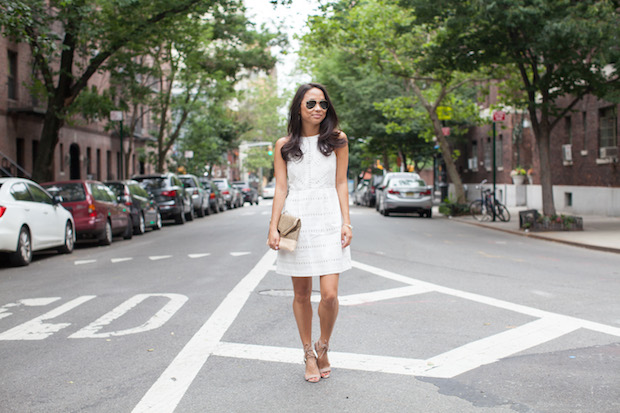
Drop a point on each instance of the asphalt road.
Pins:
(436, 316)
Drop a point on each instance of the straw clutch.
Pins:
(288, 227)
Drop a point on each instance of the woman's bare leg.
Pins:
(302, 308)
(328, 312)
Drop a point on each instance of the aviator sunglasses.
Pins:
(312, 103)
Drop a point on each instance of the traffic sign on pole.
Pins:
(499, 116)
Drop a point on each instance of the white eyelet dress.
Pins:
(312, 196)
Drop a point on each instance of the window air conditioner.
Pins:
(567, 153)
(608, 152)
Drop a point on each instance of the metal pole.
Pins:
(494, 170)
(122, 171)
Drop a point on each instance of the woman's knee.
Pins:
(329, 298)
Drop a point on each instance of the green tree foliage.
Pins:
(71, 41)
(560, 50)
(392, 39)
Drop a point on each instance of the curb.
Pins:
(542, 237)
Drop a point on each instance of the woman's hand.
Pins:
(273, 239)
(346, 234)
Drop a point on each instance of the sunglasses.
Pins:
(312, 103)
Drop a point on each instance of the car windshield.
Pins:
(221, 184)
(117, 188)
(153, 183)
(73, 192)
(407, 182)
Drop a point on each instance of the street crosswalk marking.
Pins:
(168, 390)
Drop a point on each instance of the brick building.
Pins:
(584, 158)
(85, 150)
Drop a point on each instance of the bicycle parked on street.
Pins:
(487, 206)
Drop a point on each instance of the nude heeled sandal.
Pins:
(308, 355)
(321, 350)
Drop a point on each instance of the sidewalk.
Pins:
(600, 233)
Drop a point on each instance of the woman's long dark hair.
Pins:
(329, 135)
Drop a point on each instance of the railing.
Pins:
(10, 168)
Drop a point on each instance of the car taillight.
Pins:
(2, 209)
(212, 195)
(246, 189)
(91, 210)
(393, 192)
(427, 192)
(171, 194)
(226, 192)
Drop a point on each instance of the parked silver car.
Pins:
(232, 196)
(404, 192)
(200, 200)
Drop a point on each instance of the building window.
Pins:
(487, 154)
(35, 152)
(584, 119)
(12, 75)
(568, 126)
(98, 177)
(607, 127)
(89, 161)
(474, 156)
(61, 152)
(108, 156)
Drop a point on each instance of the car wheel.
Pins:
(201, 211)
(141, 228)
(67, 248)
(180, 219)
(106, 236)
(429, 213)
(128, 229)
(158, 221)
(23, 255)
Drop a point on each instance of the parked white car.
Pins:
(32, 220)
(269, 190)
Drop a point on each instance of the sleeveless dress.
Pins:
(312, 196)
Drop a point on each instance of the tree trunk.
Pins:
(543, 143)
(43, 170)
(446, 152)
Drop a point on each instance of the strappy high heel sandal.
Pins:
(309, 355)
(321, 350)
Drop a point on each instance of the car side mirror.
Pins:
(57, 199)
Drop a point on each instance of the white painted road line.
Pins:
(28, 302)
(350, 361)
(175, 301)
(159, 257)
(168, 390)
(365, 298)
(82, 262)
(37, 329)
(240, 253)
(115, 260)
(206, 254)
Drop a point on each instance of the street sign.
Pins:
(116, 115)
(444, 112)
(446, 131)
(189, 154)
(499, 116)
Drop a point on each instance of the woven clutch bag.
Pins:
(288, 227)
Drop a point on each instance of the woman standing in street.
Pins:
(311, 183)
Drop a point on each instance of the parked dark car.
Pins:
(95, 210)
(216, 200)
(143, 208)
(200, 202)
(249, 194)
(170, 195)
(370, 196)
